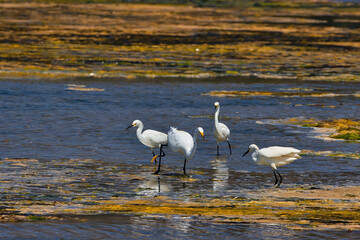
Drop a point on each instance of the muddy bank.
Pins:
(262, 39)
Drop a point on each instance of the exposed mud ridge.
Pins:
(263, 39)
(346, 129)
(234, 93)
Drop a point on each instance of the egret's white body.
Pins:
(221, 131)
(184, 143)
(150, 138)
(274, 157)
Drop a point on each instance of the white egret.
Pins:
(152, 139)
(274, 157)
(221, 131)
(184, 143)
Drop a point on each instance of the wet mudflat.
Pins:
(69, 168)
(306, 39)
(74, 76)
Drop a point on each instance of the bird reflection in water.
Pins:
(221, 173)
(153, 187)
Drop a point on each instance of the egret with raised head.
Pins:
(221, 131)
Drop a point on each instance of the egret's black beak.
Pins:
(246, 152)
(215, 107)
(129, 127)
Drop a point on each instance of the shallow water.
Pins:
(173, 227)
(48, 122)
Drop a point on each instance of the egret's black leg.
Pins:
(184, 169)
(217, 149)
(229, 147)
(280, 181)
(276, 179)
(159, 184)
(161, 154)
(158, 170)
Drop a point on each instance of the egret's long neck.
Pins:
(139, 131)
(255, 154)
(195, 143)
(217, 115)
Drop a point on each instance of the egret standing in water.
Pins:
(184, 143)
(152, 139)
(221, 131)
(274, 157)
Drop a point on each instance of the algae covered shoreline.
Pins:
(336, 129)
(48, 191)
(272, 39)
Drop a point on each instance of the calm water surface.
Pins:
(49, 122)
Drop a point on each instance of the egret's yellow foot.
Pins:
(154, 159)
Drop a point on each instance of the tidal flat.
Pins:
(69, 167)
(265, 39)
(74, 76)
(34, 191)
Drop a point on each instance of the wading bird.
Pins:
(221, 131)
(152, 139)
(274, 157)
(184, 143)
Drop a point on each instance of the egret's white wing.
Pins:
(221, 132)
(275, 151)
(179, 141)
(154, 138)
(187, 141)
(284, 160)
(173, 140)
(225, 131)
(278, 155)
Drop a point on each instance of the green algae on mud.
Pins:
(295, 213)
(335, 154)
(345, 129)
(47, 41)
